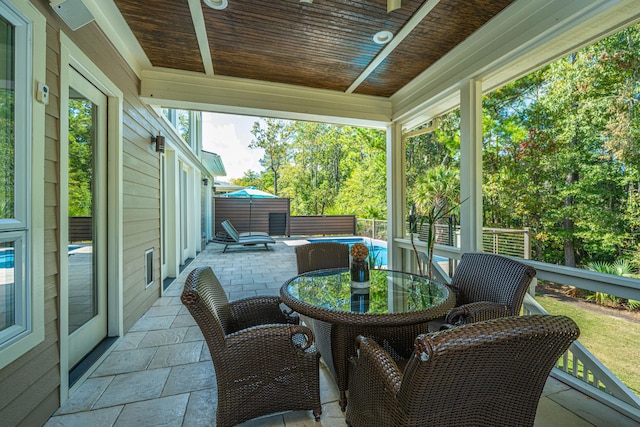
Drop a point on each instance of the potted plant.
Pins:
(433, 214)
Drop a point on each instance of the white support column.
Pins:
(396, 186)
(471, 166)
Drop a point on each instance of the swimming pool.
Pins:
(379, 247)
(7, 256)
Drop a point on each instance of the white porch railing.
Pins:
(591, 377)
(503, 241)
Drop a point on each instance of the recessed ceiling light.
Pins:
(383, 37)
(217, 4)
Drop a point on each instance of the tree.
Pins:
(80, 157)
(274, 140)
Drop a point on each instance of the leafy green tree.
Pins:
(7, 153)
(80, 157)
(274, 140)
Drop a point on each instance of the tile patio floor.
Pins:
(160, 373)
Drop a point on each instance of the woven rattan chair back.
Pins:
(489, 373)
(321, 255)
(264, 360)
(212, 303)
(493, 278)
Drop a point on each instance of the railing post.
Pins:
(527, 243)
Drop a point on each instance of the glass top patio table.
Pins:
(394, 310)
(391, 293)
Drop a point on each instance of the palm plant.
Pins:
(621, 267)
(435, 197)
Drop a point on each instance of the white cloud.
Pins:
(229, 136)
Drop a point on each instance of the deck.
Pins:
(160, 372)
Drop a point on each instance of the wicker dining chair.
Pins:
(487, 286)
(321, 255)
(264, 360)
(489, 373)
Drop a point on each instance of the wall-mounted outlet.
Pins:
(42, 94)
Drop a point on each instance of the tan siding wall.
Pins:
(30, 385)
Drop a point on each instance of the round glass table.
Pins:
(393, 309)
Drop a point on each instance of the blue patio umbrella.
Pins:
(251, 193)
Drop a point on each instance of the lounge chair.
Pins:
(246, 233)
(244, 241)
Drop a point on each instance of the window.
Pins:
(186, 124)
(13, 226)
(21, 122)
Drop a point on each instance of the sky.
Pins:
(229, 136)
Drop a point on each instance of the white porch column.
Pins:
(396, 186)
(471, 166)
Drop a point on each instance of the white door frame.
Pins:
(84, 338)
(72, 56)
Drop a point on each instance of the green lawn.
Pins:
(615, 342)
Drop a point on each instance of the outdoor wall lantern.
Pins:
(159, 141)
(205, 181)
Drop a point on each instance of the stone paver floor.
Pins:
(160, 373)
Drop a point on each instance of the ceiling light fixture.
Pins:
(383, 37)
(393, 5)
(217, 4)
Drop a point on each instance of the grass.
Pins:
(615, 342)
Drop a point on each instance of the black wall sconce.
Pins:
(205, 181)
(159, 141)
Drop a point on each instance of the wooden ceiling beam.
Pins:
(397, 39)
(258, 98)
(195, 6)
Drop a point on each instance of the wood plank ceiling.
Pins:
(326, 44)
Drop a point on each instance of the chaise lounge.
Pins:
(247, 240)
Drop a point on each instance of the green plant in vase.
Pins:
(433, 215)
(435, 196)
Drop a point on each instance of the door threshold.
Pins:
(90, 359)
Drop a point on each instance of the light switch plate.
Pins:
(42, 94)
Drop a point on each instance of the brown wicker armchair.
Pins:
(488, 373)
(321, 255)
(488, 286)
(264, 361)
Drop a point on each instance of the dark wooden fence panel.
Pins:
(258, 215)
(322, 225)
(248, 214)
(80, 229)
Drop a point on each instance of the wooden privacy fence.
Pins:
(272, 216)
(323, 225)
(80, 229)
(252, 214)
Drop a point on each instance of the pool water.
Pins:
(7, 257)
(379, 247)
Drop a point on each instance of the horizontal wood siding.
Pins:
(322, 225)
(31, 385)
